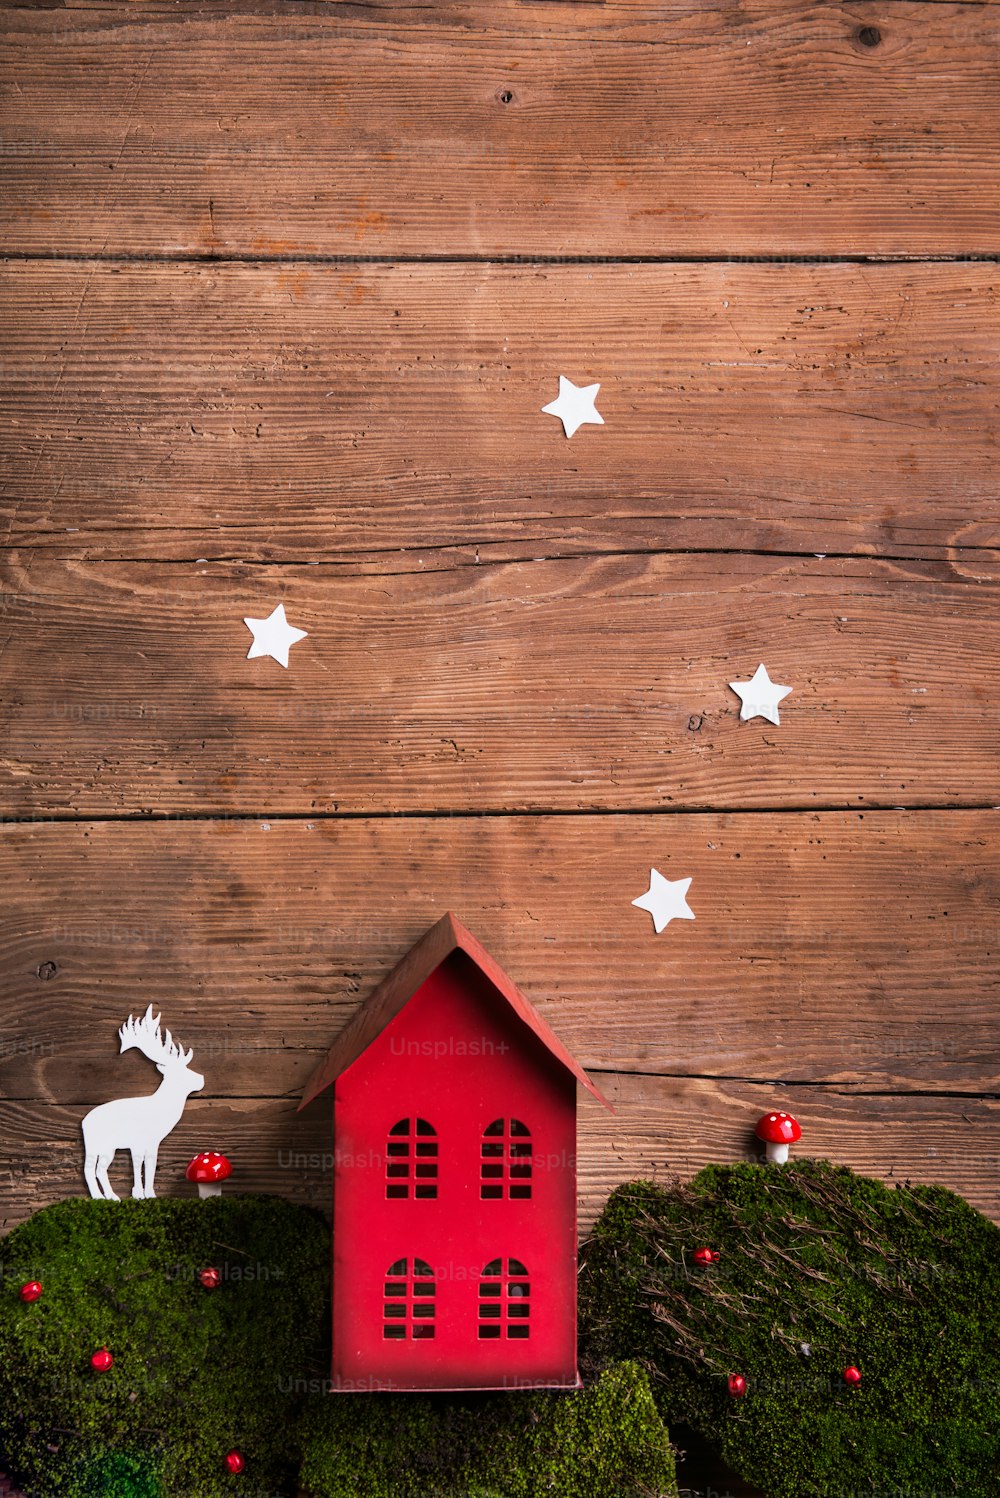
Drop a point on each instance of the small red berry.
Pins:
(102, 1360)
(31, 1291)
(210, 1278)
(707, 1256)
(234, 1462)
(852, 1376)
(737, 1385)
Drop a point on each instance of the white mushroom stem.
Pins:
(777, 1153)
(214, 1188)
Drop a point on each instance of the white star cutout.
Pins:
(574, 405)
(760, 696)
(273, 636)
(665, 899)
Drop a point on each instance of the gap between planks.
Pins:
(298, 257)
(833, 1089)
(466, 814)
(447, 554)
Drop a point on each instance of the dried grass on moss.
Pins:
(820, 1269)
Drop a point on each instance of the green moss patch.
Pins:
(200, 1372)
(607, 1440)
(197, 1372)
(820, 1269)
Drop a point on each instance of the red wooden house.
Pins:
(454, 1207)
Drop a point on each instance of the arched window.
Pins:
(408, 1308)
(504, 1301)
(411, 1160)
(505, 1168)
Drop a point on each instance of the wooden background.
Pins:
(284, 290)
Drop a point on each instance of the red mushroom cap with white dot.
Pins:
(209, 1169)
(778, 1130)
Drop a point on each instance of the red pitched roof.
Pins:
(395, 991)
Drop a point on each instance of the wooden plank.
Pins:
(591, 683)
(856, 951)
(380, 413)
(664, 1129)
(611, 129)
(670, 1128)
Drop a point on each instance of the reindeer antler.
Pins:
(144, 1034)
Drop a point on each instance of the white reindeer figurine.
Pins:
(138, 1124)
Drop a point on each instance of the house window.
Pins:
(505, 1167)
(408, 1307)
(411, 1160)
(504, 1301)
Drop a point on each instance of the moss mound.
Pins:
(200, 1372)
(197, 1372)
(609, 1439)
(819, 1269)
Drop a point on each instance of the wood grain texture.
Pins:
(504, 129)
(391, 415)
(587, 683)
(664, 1128)
(852, 951)
(371, 402)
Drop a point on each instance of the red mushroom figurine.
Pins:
(209, 1170)
(852, 1376)
(234, 1461)
(210, 1278)
(778, 1131)
(706, 1255)
(737, 1385)
(31, 1291)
